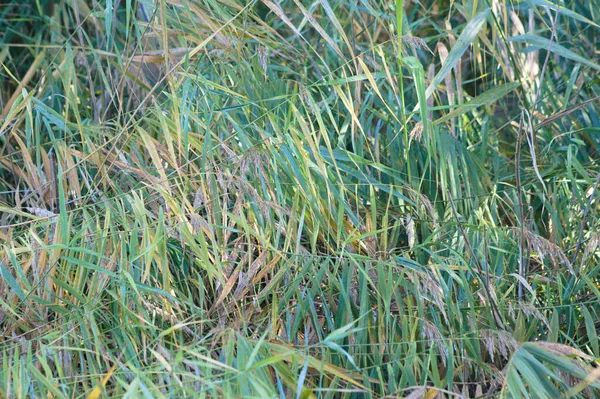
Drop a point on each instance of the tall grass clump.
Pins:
(292, 199)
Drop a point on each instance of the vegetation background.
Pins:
(290, 198)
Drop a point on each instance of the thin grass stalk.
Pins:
(399, 55)
(522, 267)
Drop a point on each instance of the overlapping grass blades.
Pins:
(290, 199)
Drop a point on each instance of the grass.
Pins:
(337, 199)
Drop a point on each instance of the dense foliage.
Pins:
(336, 198)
